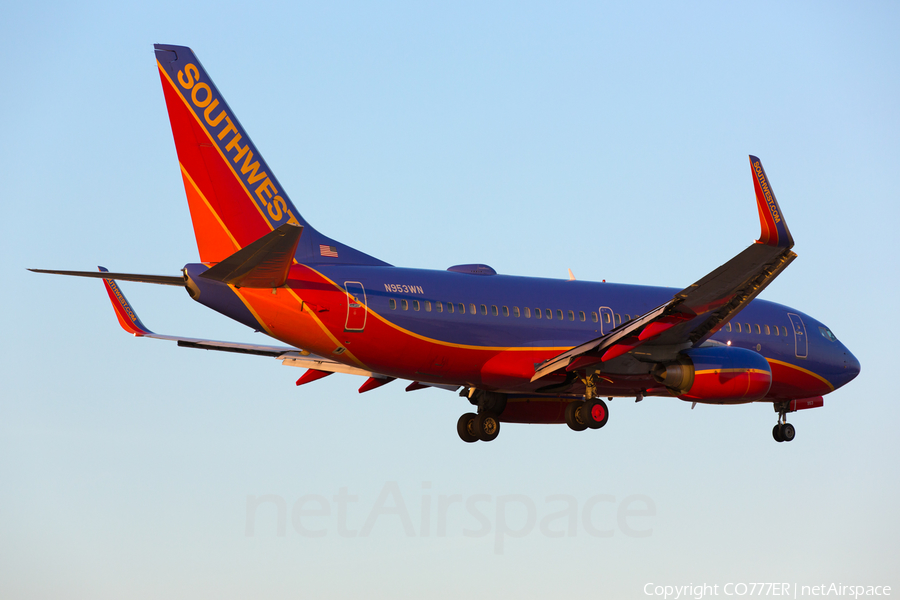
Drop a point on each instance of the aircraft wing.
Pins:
(699, 310)
(317, 366)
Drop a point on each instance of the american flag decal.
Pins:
(328, 251)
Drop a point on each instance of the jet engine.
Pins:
(716, 375)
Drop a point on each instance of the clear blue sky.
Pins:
(611, 140)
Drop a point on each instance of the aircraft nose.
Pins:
(850, 370)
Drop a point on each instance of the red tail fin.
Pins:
(233, 195)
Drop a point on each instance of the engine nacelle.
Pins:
(717, 375)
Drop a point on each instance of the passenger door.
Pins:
(800, 345)
(356, 306)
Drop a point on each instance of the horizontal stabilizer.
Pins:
(263, 264)
(158, 279)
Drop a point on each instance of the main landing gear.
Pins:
(783, 431)
(589, 414)
(472, 427)
(592, 413)
(484, 426)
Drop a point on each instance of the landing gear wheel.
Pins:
(776, 433)
(788, 432)
(594, 413)
(487, 427)
(573, 416)
(465, 427)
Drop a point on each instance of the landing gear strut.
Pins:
(783, 431)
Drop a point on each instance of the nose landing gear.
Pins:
(783, 431)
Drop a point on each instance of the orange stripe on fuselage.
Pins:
(388, 348)
(383, 346)
(790, 381)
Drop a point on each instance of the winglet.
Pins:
(773, 228)
(128, 319)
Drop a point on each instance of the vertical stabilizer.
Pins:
(234, 196)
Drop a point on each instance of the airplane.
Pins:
(518, 349)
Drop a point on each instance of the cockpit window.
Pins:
(826, 333)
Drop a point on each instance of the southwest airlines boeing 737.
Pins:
(518, 349)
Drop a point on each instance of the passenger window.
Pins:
(440, 306)
(727, 327)
(747, 327)
(606, 317)
(594, 317)
(549, 312)
(462, 308)
(415, 305)
(472, 310)
(527, 313)
(777, 332)
(427, 306)
(393, 304)
(581, 315)
(768, 332)
(494, 309)
(571, 315)
(450, 307)
(784, 330)
(505, 311)
(758, 331)
(618, 319)
(483, 309)
(516, 311)
(538, 313)
(627, 317)
(404, 305)
(738, 325)
(559, 314)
